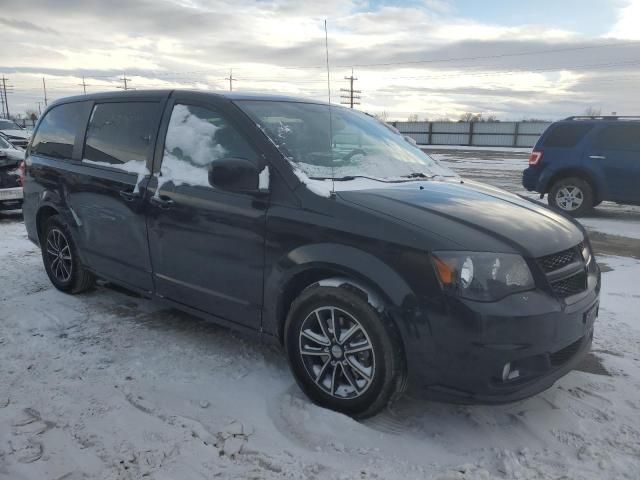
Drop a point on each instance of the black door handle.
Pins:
(129, 196)
(162, 201)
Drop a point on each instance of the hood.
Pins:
(452, 208)
(16, 133)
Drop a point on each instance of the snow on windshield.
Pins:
(190, 147)
(352, 144)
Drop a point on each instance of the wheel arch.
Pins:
(578, 173)
(331, 265)
(44, 213)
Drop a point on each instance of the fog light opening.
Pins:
(508, 373)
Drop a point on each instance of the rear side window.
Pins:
(57, 131)
(567, 135)
(619, 137)
(121, 132)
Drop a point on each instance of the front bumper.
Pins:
(464, 347)
(11, 198)
(530, 179)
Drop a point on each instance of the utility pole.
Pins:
(39, 108)
(4, 93)
(44, 88)
(84, 85)
(124, 81)
(352, 96)
(231, 79)
(2, 112)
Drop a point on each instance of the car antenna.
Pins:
(326, 47)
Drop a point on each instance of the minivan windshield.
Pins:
(346, 145)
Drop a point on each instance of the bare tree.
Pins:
(592, 112)
(413, 118)
(383, 116)
(32, 115)
(471, 117)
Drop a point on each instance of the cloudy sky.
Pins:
(435, 58)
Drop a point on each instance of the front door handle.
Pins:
(129, 196)
(162, 201)
(597, 157)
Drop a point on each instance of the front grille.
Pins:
(570, 281)
(19, 142)
(563, 356)
(556, 261)
(570, 286)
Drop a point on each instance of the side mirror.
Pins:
(236, 174)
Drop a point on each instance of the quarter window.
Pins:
(57, 131)
(567, 135)
(197, 137)
(120, 133)
(619, 137)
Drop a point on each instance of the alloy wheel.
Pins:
(569, 198)
(337, 352)
(59, 255)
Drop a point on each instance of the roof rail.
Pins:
(603, 117)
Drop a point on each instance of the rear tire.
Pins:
(356, 367)
(61, 260)
(572, 195)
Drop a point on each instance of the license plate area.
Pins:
(11, 194)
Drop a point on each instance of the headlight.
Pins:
(482, 276)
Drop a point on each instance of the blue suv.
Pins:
(582, 161)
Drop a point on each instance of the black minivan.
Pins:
(319, 228)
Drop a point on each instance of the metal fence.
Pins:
(480, 134)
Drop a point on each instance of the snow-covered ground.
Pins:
(110, 386)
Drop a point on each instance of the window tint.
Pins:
(57, 131)
(567, 135)
(196, 138)
(619, 137)
(121, 132)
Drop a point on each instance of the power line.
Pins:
(522, 70)
(499, 55)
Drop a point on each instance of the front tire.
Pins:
(345, 355)
(572, 195)
(61, 260)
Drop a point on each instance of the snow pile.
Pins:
(190, 148)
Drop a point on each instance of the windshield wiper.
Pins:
(344, 179)
(417, 175)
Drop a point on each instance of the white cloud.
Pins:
(193, 43)
(628, 24)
